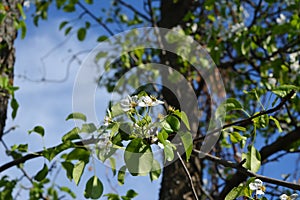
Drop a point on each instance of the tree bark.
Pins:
(175, 183)
(8, 34)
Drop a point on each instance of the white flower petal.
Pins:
(253, 186)
(260, 192)
(294, 196)
(283, 197)
(161, 145)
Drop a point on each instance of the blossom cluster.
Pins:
(131, 102)
(259, 189)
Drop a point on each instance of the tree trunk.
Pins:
(175, 182)
(8, 34)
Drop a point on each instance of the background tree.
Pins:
(255, 46)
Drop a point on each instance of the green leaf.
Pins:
(69, 8)
(111, 196)
(81, 33)
(20, 8)
(155, 170)
(235, 193)
(68, 191)
(41, 175)
(174, 122)
(77, 171)
(69, 167)
(162, 136)
(252, 159)
(283, 90)
(240, 128)
(166, 126)
(22, 25)
(89, 1)
(102, 38)
(130, 194)
(79, 154)
(76, 115)
(113, 165)
(276, 123)
(38, 129)
(168, 151)
(71, 135)
(227, 106)
(88, 128)
(63, 24)
(235, 137)
(93, 188)
(138, 157)
(187, 140)
(14, 105)
(67, 31)
(121, 175)
(182, 115)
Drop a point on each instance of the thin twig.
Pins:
(188, 174)
(130, 7)
(240, 168)
(95, 18)
(249, 119)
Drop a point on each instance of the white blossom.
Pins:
(161, 145)
(129, 103)
(286, 197)
(257, 186)
(26, 4)
(271, 79)
(146, 101)
(281, 19)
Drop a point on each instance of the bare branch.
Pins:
(248, 173)
(189, 175)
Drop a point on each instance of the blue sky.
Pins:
(45, 53)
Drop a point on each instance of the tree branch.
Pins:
(248, 173)
(249, 120)
(31, 156)
(95, 18)
(279, 145)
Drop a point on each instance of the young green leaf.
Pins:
(41, 175)
(68, 191)
(131, 194)
(38, 129)
(276, 123)
(252, 159)
(88, 128)
(71, 135)
(155, 170)
(81, 33)
(174, 122)
(69, 167)
(113, 165)
(138, 157)
(63, 24)
(121, 175)
(187, 140)
(93, 188)
(235, 137)
(235, 193)
(77, 171)
(76, 115)
(14, 105)
(182, 115)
